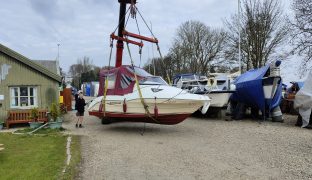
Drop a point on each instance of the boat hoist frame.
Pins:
(123, 36)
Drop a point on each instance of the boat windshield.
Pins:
(193, 77)
(153, 80)
(189, 77)
(221, 82)
(138, 71)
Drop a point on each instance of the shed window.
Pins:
(23, 97)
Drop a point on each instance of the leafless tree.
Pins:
(263, 29)
(302, 29)
(163, 67)
(83, 65)
(195, 47)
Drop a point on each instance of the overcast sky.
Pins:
(82, 27)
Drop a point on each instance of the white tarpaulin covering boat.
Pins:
(303, 100)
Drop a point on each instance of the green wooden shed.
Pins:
(25, 84)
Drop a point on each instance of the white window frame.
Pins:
(12, 97)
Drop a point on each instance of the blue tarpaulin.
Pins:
(300, 84)
(249, 90)
(88, 89)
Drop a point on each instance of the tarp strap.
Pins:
(104, 97)
(139, 89)
(106, 79)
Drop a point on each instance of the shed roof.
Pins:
(49, 64)
(24, 60)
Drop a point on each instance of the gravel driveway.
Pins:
(195, 149)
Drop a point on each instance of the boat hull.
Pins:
(165, 105)
(169, 111)
(166, 119)
(171, 106)
(219, 99)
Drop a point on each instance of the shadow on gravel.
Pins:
(139, 128)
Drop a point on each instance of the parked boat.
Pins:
(129, 93)
(217, 87)
(221, 89)
(261, 88)
(303, 102)
(159, 102)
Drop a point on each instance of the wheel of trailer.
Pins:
(106, 120)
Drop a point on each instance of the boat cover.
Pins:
(120, 80)
(303, 100)
(249, 90)
(295, 85)
(300, 84)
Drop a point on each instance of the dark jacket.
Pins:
(80, 103)
(76, 98)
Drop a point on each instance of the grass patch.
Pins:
(37, 157)
(46, 131)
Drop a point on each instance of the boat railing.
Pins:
(203, 88)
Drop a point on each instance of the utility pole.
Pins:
(58, 60)
(239, 38)
(58, 51)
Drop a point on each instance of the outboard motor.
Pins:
(277, 115)
(270, 85)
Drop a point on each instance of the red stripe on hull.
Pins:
(168, 119)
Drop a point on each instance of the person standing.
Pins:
(80, 104)
(76, 104)
(76, 98)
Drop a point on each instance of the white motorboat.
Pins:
(129, 93)
(219, 98)
(221, 89)
(158, 103)
(217, 87)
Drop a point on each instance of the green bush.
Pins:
(34, 114)
(55, 111)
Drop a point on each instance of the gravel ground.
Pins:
(195, 149)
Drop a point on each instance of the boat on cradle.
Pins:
(164, 104)
(261, 88)
(217, 87)
(129, 93)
